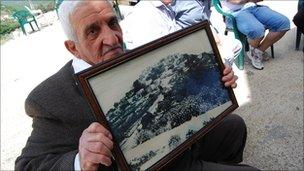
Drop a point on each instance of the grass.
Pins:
(6, 37)
(8, 7)
(19, 4)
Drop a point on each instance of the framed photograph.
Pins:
(159, 99)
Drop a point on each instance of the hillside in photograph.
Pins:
(166, 95)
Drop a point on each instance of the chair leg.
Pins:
(303, 46)
(240, 60)
(36, 24)
(31, 26)
(298, 38)
(244, 42)
(23, 29)
(272, 51)
(246, 45)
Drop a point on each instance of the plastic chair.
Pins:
(298, 38)
(57, 4)
(117, 10)
(32, 11)
(24, 17)
(237, 34)
(299, 33)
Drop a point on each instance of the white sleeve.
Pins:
(77, 163)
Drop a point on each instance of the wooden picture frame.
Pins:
(160, 98)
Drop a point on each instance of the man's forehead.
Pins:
(90, 9)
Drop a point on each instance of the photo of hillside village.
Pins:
(167, 103)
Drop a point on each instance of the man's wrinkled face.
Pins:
(98, 32)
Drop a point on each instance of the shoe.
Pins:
(265, 55)
(256, 57)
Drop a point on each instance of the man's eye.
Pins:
(92, 32)
(113, 23)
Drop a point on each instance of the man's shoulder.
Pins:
(60, 79)
(58, 97)
(50, 94)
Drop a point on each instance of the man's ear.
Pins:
(70, 46)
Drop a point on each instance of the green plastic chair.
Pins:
(33, 12)
(117, 10)
(237, 34)
(299, 33)
(23, 17)
(57, 4)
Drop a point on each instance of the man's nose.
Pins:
(110, 37)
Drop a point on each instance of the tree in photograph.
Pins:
(174, 141)
(190, 133)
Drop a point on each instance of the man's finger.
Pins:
(234, 85)
(231, 82)
(227, 69)
(97, 158)
(228, 77)
(98, 148)
(98, 137)
(97, 127)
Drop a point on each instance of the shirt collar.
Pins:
(79, 65)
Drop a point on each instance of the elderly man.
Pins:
(65, 135)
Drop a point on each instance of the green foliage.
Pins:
(7, 10)
(46, 7)
(19, 4)
(5, 38)
(8, 25)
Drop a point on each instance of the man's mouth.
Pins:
(115, 50)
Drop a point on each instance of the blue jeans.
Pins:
(253, 21)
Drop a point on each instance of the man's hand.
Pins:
(229, 78)
(95, 145)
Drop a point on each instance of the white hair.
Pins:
(66, 9)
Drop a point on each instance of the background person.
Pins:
(161, 17)
(252, 20)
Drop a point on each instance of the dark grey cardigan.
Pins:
(60, 114)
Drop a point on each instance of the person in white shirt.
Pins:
(150, 20)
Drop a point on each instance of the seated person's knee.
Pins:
(234, 121)
(282, 25)
(285, 23)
